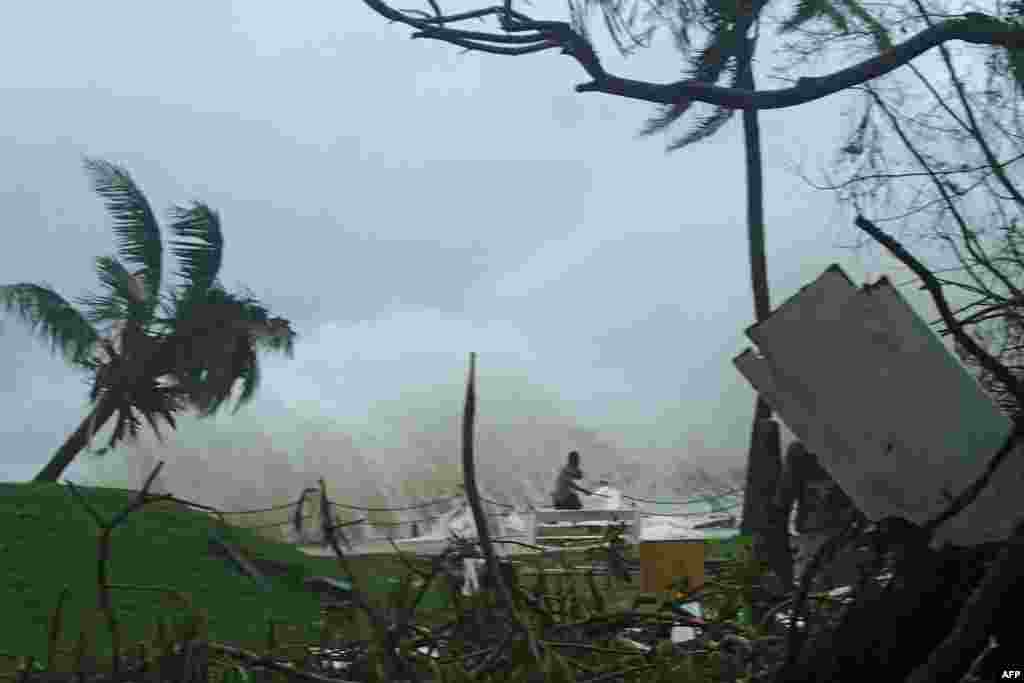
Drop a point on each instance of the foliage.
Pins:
(153, 355)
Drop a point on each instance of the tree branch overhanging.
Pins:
(975, 28)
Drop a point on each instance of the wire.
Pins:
(439, 501)
(494, 502)
(427, 519)
(702, 499)
(689, 514)
(267, 526)
(248, 512)
(398, 509)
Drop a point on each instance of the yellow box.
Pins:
(664, 562)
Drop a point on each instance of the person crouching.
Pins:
(565, 496)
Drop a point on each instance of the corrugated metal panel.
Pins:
(895, 418)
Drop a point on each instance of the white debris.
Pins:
(514, 524)
(471, 570)
(633, 643)
(607, 498)
(681, 634)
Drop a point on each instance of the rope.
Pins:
(494, 502)
(167, 496)
(702, 499)
(398, 509)
(688, 514)
(397, 524)
(267, 526)
(439, 501)
(249, 512)
(449, 499)
(427, 519)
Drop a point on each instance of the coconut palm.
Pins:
(151, 355)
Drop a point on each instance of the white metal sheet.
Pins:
(894, 417)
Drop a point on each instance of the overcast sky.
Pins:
(403, 204)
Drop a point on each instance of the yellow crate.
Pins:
(664, 562)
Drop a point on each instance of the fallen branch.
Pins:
(269, 663)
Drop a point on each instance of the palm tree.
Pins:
(728, 53)
(151, 355)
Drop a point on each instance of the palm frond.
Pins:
(665, 117)
(214, 345)
(104, 369)
(881, 34)
(805, 11)
(275, 334)
(249, 375)
(121, 300)
(1015, 62)
(202, 247)
(809, 10)
(709, 64)
(620, 19)
(135, 224)
(578, 11)
(54, 319)
(149, 401)
(718, 16)
(705, 128)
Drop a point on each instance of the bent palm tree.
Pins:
(151, 355)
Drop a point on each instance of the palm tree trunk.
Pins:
(78, 440)
(764, 457)
(147, 358)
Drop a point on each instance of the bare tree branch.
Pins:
(975, 28)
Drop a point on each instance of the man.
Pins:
(565, 495)
(823, 508)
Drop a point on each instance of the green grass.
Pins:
(48, 540)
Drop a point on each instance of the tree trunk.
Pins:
(766, 524)
(754, 501)
(78, 440)
(755, 208)
(147, 357)
(473, 492)
(764, 459)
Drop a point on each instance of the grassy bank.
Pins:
(48, 540)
